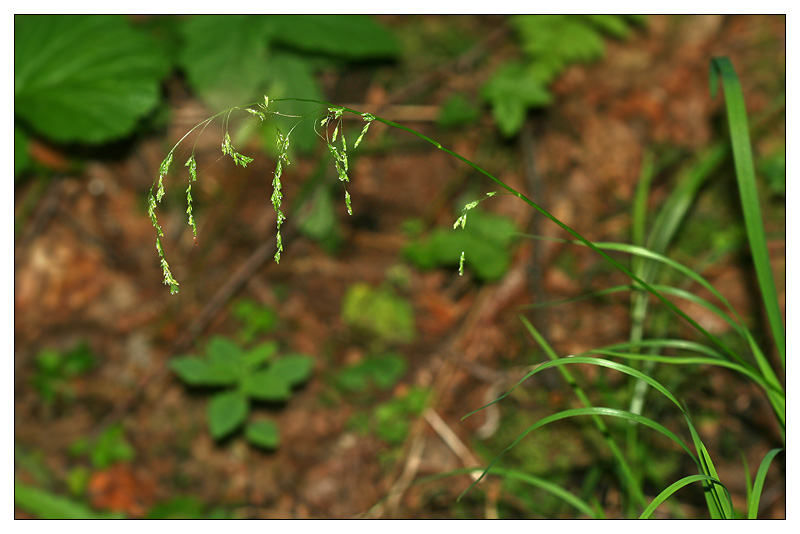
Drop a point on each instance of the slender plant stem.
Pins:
(708, 335)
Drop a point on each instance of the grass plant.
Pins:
(645, 350)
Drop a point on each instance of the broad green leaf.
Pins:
(379, 312)
(45, 505)
(346, 36)
(550, 43)
(223, 351)
(255, 318)
(559, 39)
(197, 372)
(381, 371)
(293, 369)
(86, 78)
(266, 386)
(226, 412)
(615, 25)
(260, 354)
(292, 76)
(485, 240)
(263, 434)
(225, 57)
(511, 91)
(319, 221)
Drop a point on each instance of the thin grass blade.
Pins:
(718, 499)
(758, 484)
(673, 488)
(722, 69)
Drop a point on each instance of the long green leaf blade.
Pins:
(746, 179)
(758, 484)
(671, 489)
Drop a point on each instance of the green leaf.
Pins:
(49, 361)
(79, 360)
(293, 77)
(758, 484)
(722, 69)
(45, 505)
(111, 447)
(511, 91)
(266, 386)
(485, 239)
(318, 219)
(379, 312)
(392, 417)
(260, 354)
(560, 39)
(225, 57)
(255, 318)
(224, 351)
(346, 36)
(197, 372)
(550, 43)
(78, 480)
(293, 369)
(671, 489)
(381, 371)
(226, 412)
(263, 434)
(615, 25)
(86, 78)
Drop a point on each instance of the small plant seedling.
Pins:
(381, 372)
(255, 318)
(390, 421)
(108, 448)
(379, 312)
(55, 369)
(245, 374)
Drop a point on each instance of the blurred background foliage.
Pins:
(94, 80)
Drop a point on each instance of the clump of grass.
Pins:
(644, 353)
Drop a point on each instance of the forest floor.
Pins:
(86, 270)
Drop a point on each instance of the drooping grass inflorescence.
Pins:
(338, 151)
